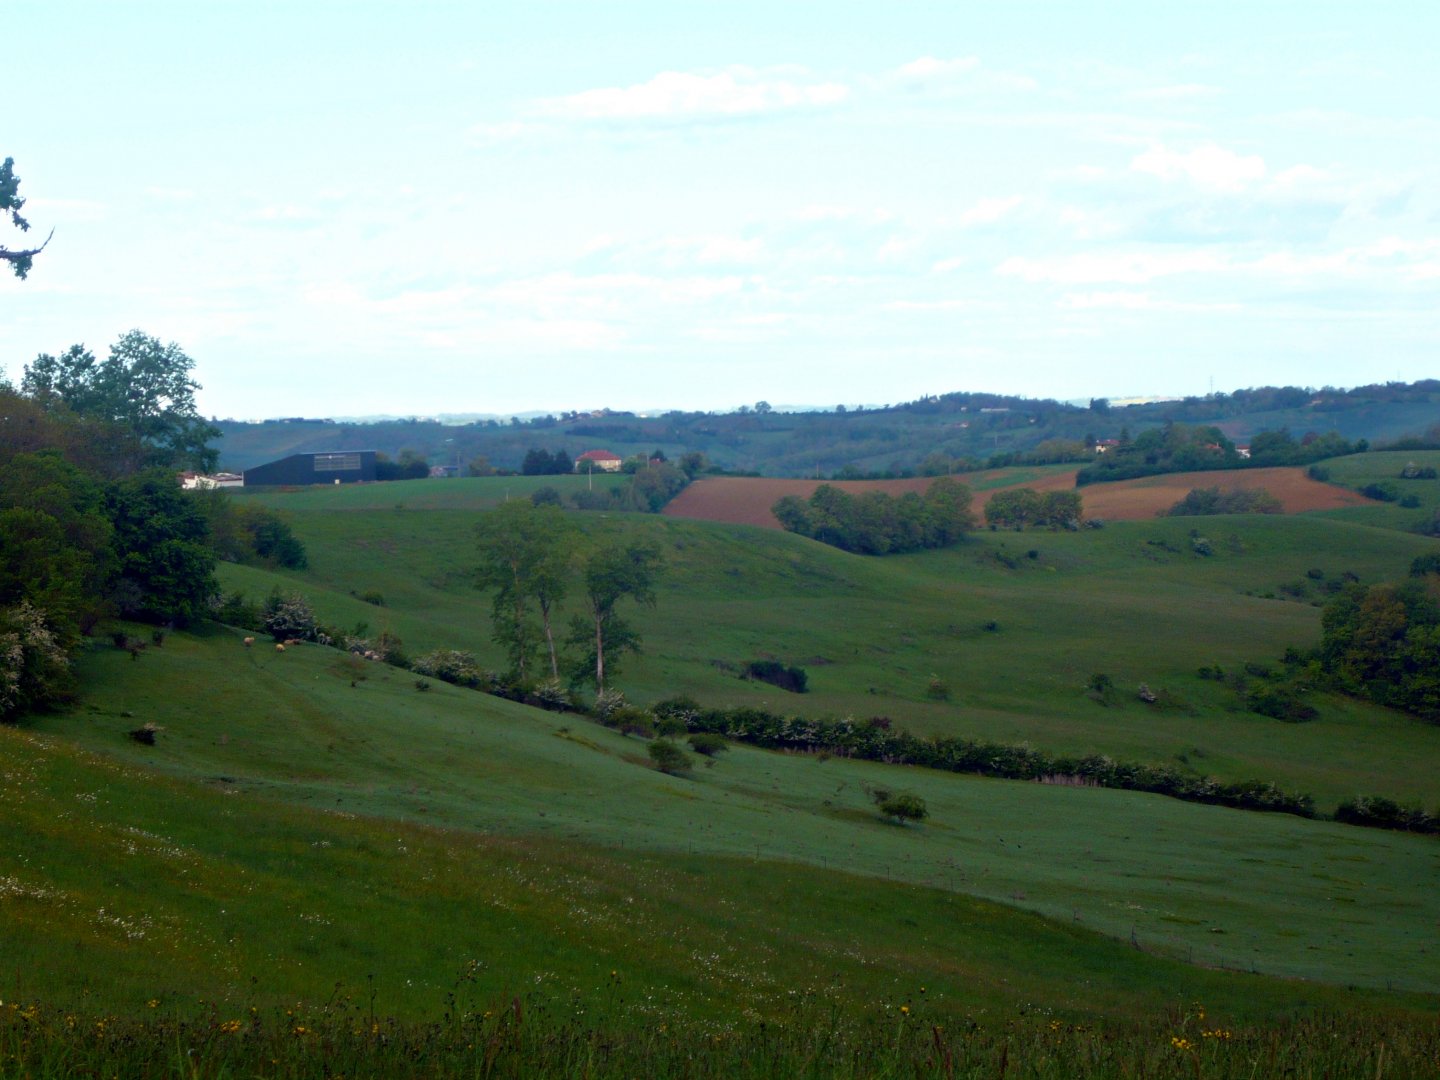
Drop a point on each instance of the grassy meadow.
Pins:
(1012, 624)
(318, 854)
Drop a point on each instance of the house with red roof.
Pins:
(603, 460)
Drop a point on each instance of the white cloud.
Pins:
(987, 211)
(944, 266)
(1134, 301)
(929, 71)
(507, 131)
(1177, 92)
(1129, 268)
(1208, 166)
(928, 67)
(678, 94)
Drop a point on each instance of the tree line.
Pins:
(875, 523)
(93, 521)
(532, 557)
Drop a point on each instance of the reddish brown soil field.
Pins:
(747, 500)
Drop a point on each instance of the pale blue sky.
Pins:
(352, 208)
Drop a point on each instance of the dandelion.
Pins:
(905, 1010)
(153, 1003)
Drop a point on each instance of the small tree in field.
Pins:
(899, 806)
(669, 758)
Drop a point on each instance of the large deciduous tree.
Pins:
(166, 567)
(611, 575)
(144, 388)
(525, 556)
(11, 203)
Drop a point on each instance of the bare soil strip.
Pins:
(743, 500)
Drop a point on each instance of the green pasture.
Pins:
(457, 493)
(1358, 470)
(317, 817)
(1132, 601)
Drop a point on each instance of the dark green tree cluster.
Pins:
(530, 557)
(649, 489)
(409, 466)
(540, 462)
(1383, 642)
(874, 523)
(143, 390)
(1170, 448)
(1270, 448)
(1211, 500)
(1025, 508)
(93, 521)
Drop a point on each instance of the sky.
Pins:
(342, 209)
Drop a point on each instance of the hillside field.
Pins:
(311, 828)
(747, 501)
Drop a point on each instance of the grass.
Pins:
(458, 493)
(1358, 470)
(1324, 901)
(1132, 601)
(444, 882)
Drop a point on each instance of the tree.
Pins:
(669, 758)
(537, 462)
(143, 387)
(166, 567)
(525, 556)
(611, 575)
(10, 203)
(899, 807)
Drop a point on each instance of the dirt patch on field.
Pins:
(1131, 500)
(741, 500)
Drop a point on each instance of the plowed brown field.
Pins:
(747, 500)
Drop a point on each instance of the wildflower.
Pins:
(230, 1027)
(1180, 1043)
(905, 1009)
(153, 1003)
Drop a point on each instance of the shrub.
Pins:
(708, 743)
(681, 708)
(288, 617)
(669, 758)
(234, 610)
(607, 703)
(551, 696)
(373, 596)
(1383, 492)
(448, 665)
(633, 721)
(901, 807)
(937, 689)
(793, 679)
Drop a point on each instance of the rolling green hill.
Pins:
(1132, 601)
(310, 827)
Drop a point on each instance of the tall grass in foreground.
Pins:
(535, 1037)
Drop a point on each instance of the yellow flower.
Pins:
(154, 1003)
(905, 1009)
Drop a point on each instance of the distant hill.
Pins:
(924, 437)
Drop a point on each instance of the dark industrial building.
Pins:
(340, 467)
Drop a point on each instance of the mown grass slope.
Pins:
(289, 795)
(1012, 624)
